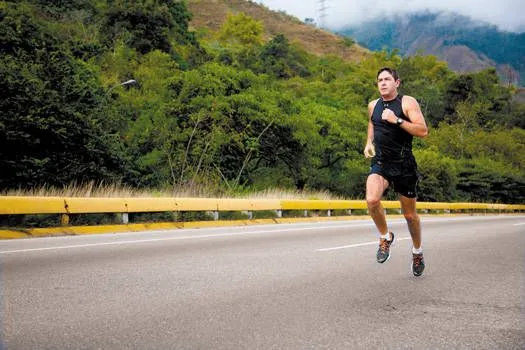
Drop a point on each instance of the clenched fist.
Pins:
(389, 116)
(370, 150)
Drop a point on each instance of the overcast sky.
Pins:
(506, 14)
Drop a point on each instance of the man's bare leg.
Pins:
(375, 187)
(414, 226)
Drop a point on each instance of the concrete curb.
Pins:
(105, 229)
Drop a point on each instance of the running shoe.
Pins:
(418, 264)
(383, 253)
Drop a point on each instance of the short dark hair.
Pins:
(393, 72)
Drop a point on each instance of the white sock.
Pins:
(417, 250)
(386, 236)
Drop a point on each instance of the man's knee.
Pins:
(373, 202)
(411, 216)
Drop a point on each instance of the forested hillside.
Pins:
(123, 92)
(466, 45)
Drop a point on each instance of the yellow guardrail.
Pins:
(122, 207)
(77, 205)
(12, 205)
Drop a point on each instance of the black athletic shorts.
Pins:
(402, 176)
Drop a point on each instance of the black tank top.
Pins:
(392, 143)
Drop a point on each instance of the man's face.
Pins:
(386, 84)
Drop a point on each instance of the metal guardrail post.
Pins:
(329, 213)
(305, 214)
(64, 219)
(122, 218)
(214, 214)
(279, 213)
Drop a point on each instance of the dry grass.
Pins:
(291, 194)
(102, 190)
(90, 189)
(210, 14)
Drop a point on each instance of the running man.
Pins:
(393, 121)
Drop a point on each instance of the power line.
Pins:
(322, 13)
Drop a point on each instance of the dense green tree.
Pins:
(152, 25)
(516, 115)
(426, 78)
(282, 60)
(242, 29)
(49, 130)
(143, 27)
(438, 176)
(220, 121)
(482, 87)
(483, 180)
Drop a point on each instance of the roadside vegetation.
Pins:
(101, 190)
(226, 112)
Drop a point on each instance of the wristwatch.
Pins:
(399, 121)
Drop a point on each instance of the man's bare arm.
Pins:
(417, 125)
(369, 148)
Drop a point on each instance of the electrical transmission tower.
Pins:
(322, 13)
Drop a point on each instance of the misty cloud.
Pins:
(505, 14)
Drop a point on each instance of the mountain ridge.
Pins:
(465, 44)
(212, 14)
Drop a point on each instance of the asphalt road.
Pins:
(286, 286)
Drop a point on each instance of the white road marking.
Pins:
(523, 223)
(357, 245)
(230, 234)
